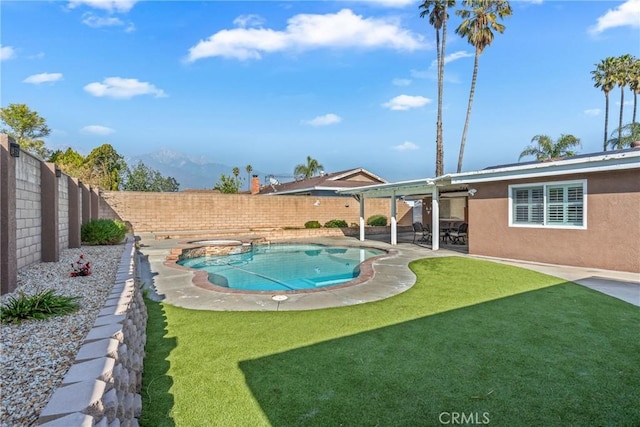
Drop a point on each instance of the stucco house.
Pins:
(580, 211)
(325, 184)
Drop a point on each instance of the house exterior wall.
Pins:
(610, 241)
(213, 211)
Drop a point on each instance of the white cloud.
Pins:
(7, 52)
(251, 20)
(401, 82)
(417, 74)
(406, 146)
(119, 6)
(117, 87)
(390, 3)
(97, 130)
(626, 14)
(343, 29)
(326, 120)
(452, 57)
(406, 102)
(592, 112)
(43, 78)
(95, 21)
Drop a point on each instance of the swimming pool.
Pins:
(284, 267)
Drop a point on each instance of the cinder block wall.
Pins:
(63, 212)
(28, 210)
(153, 212)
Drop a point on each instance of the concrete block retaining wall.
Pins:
(102, 387)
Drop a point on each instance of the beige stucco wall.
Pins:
(215, 211)
(610, 241)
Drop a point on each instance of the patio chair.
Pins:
(459, 236)
(420, 230)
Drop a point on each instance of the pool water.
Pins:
(286, 267)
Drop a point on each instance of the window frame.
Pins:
(545, 203)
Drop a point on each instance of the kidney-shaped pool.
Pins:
(284, 267)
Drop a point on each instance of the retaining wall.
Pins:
(102, 388)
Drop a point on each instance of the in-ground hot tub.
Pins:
(214, 247)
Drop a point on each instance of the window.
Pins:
(554, 204)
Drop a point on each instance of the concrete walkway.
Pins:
(392, 276)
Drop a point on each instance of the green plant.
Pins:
(377, 220)
(39, 306)
(103, 232)
(312, 224)
(336, 223)
(81, 267)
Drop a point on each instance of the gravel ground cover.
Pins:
(36, 354)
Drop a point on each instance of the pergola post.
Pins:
(394, 225)
(435, 219)
(361, 217)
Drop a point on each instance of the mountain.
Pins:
(191, 172)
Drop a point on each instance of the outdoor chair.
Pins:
(420, 230)
(459, 236)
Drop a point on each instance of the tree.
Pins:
(306, 171)
(249, 169)
(546, 149)
(603, 79)
(26, 127)
(438, 17)
(143, 178)
(236, 172)
(477, 26)
(622, 76)
(69, 161)
(104, 167)
(628, 134)
(634, 85)
(227, 184)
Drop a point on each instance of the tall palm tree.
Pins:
(236, 173)
(438, 17)
(634, 85)
(622, 76)
(306, 171)
(249, 169)
(546, 149)
(479, 21)
(603, 79)
(630, 133)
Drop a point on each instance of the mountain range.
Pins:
(191, 172)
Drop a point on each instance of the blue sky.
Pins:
(349, 83)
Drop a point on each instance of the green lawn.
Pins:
(488, 342)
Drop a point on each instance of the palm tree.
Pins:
(249, 169)
(622, 76)
(236, 173)
(603, 78)
(630, 133)
(438, 17)
(478, 23)
(546, 149)
(306, 171)
(634, 85)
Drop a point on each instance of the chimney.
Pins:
(255, 184)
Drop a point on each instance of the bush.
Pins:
(377, 220)
(38, 306)
(336, 223)
(312, 224)
(103, 232)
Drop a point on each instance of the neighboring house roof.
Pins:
(585, 163)
(350, 178)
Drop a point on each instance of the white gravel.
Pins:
(36, 354)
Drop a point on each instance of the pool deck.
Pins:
(391, 276)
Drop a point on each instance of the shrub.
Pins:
(312, 224)
(336, 223)
(103, 232)
(38, 306)
(377, 220)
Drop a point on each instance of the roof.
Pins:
(586, 163)
(358, 177)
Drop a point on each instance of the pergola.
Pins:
(414, 189)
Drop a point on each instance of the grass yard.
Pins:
(472, 341)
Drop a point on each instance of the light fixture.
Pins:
(58, 172)
(346, 205)
(14, 149)
(428, 209)
(316, 203)
(472, 192)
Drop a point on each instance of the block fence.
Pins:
(41, 211)
(102, 387)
